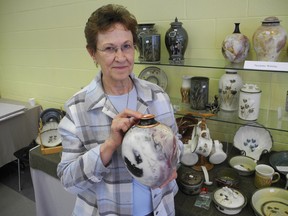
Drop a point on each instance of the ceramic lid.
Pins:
(271, 19)
(190, 178)
(229, 198)
(176, 23)
(251, 88)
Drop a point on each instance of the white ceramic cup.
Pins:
(217, 155)
(265, 176)
(202, 144)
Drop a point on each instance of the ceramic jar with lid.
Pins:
(176, 41)
(150, 151)
(230, 84)
(190, 182)
(269, 39)
(235, 46)
(249, 102)
(229, 200)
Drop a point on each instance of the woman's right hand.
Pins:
(120, 125)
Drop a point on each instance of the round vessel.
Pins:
(149, 150)
(269, 39)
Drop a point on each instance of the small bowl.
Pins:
(227, 177)
(244, 165)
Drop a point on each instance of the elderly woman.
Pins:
(97, 118)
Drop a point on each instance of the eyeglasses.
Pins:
(126, 48)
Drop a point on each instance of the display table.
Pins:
(18, 131)
(44, 171)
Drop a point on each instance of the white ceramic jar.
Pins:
(249, 102)
(230, 84)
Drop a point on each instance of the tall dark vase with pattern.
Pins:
(176, 41)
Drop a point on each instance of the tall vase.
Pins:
(230, 84)
(199, 92)
(176, 41)
(185, 89)
(143, 31)
(269, 39)
(235, 46)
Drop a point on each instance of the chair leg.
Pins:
(19, 175)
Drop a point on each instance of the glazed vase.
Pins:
(269, 39)
(230, 84)
(143, 31)
(249, 102)
(199, 92)
(235, 46)
(185, 89)
(150, 151)
(151, 48)
(176, 41)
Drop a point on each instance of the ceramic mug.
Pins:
(202, 144)
(265, 176)
(217, 155)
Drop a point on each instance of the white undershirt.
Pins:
(142, 201)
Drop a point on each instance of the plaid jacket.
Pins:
(107, 190)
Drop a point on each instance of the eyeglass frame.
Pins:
(109, 50)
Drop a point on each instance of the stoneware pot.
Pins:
(269, 39)
(149, 150)
(235, 46)
(190, 182)
(144, 30)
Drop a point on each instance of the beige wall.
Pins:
(42, 45)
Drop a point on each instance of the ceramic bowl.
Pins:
(270, 201)
(279, 161)
(245, 166)
(229, 200)
(227, 177)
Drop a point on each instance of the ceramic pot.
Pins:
(190, 182)
(176, 41)
(269, 39)
(235, 46)
(149, 150)
(230, 84)
(143, 30)
(249, 102)
(151, 47)
(199, 92)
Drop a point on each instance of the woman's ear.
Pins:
(92, 54)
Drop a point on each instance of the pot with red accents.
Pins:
(149, 151)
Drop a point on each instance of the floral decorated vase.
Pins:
(149, 150)
(176, 41)
(230, 84)
(269, 39)
(235, 46)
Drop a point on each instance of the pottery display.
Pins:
(176, 41)
(249, 102)
(199, 92)
(269, 39)
(150, 151)
(235, 46)
(230, 84)
(143, 30)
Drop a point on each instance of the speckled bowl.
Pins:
(244, 165)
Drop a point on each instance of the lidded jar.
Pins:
(249, 102)
(230, 84)
(235, 46)
(269, 39)
(176, 41)
(150, 151)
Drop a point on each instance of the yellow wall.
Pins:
(42, 45)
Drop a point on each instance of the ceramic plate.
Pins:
(49, 136)
(253, 140)
(270, 201)
(154, 75)
(278, 160)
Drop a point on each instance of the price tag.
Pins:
(264, 65)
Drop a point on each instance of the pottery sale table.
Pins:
(54, 200)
